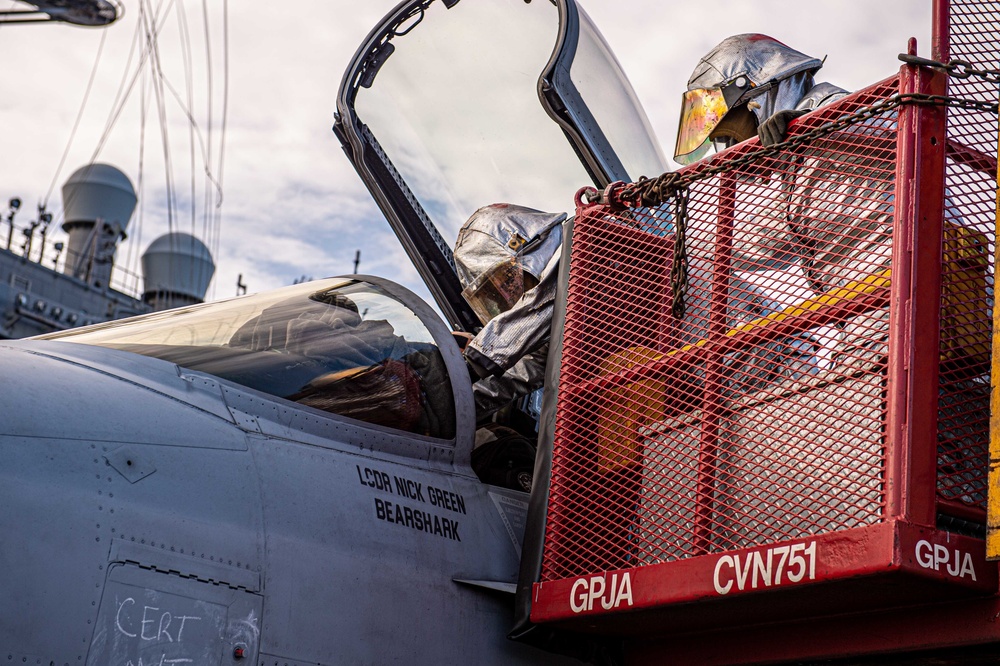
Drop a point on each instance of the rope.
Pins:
(76, 123)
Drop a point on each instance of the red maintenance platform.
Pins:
(774, 401)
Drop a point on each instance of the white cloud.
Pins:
(293, 205)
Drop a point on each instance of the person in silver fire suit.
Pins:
(748, 85)
(507, 258)
(837, 225)
(833, 225)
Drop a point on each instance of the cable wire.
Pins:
(208, 213)
(79, 116)
(225, 118)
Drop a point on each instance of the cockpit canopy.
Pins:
(344, 346)
(449, 106)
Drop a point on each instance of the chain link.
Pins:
(955, 68)
(652, 192)
(679, 265)
(656, 191)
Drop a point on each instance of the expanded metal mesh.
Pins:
(967, 271)
(759, 415)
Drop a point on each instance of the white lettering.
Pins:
(162, 631)
(765, 568)
(762, 569)
(144, 622)
(157, 628)
(953, 565)
(586, 591)
(967, 567)
(783, 552)
(122, 620)
(609, 602)
(719, 588)
(723, 589)
(580, 584)
(923, 553)
(118, 617)
(938, 557)
(183, 619)
(625, 591)
(595, 590)
(797, 561)
(742, 573)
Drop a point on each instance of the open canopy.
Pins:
(449, 106)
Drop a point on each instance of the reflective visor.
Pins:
(701, 112)
(496, 290)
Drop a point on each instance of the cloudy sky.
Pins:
(292, 205)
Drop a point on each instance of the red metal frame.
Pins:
(880, 636)
(647, 421)
(941, 30)
(714, 365)
(641, 315)
(915, 319)
(883, 565)
(693, 604)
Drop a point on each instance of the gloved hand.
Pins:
(774, 129)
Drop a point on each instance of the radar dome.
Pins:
(177, 269)
(98, 201)
(98, 192)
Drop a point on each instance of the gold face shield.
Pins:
(496, 290)
(701, 112)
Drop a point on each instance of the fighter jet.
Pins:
(287, 478)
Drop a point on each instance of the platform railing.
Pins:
(785, 354)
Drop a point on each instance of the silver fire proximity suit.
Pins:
(507, 258)
(833, 223)
(836, 226)
(830, 225)
(749, 72)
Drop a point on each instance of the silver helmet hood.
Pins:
(500, 232)
(783, 72)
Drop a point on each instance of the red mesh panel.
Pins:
(967, 255)
(759, 416)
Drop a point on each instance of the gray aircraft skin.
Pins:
(286, 479)
(159, 515)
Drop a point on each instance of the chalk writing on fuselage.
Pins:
(150, 627)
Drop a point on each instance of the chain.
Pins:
(656, 191)
(652, 192)
(955, 68)
(679, 265)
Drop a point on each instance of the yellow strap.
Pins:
(993, 491)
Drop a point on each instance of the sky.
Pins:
(292, 206)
